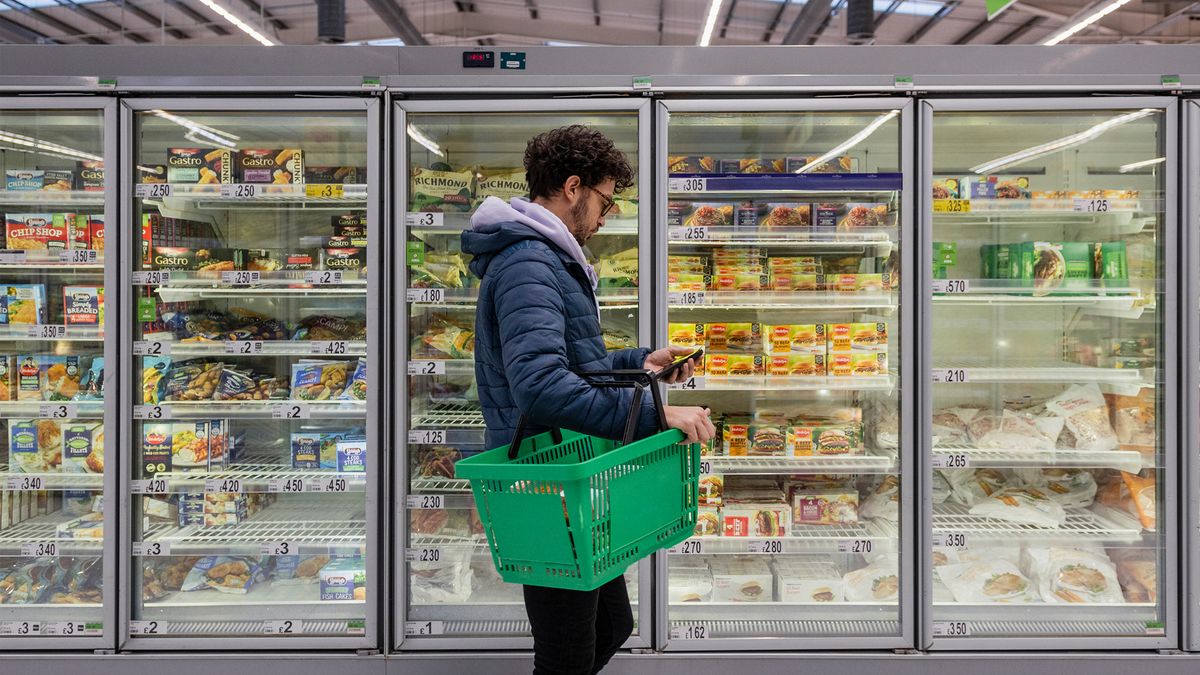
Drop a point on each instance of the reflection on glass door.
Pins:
(1049, 399)
(252, 448)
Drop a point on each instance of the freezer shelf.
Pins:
(803, 237)
(685, 630)
(769, 611)
(1046, 620)
(982, 292)
(841, 185)
(1081, 527)
(48, 198)
(51, 333)
(242, 195)
(265, 348)
(258, 537)
(270, 409)
(35, 262)
(440, 485)
(947, 456)
(254, 478)
(1052, 372)
(52, 409)
(817, 300)
(881, 535)
(34, 482)
(266, 601)
(33, 538)
(452, 224)
(857, 464)
(455, 415)
(707, 383)
(468, 297)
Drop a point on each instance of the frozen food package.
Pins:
(447, 580)
(504, 184)
(742, 580)
(1022, 505)
(357, 389)
(690, 164)
(808, 582)
(227, 574)
(1073, 575)
(1072, 488)
(987, 581)
(970, 486)
(824, 507)
(1086, 414)
(1134, 420)
(711, 490)
(38, 231)
(708, 521)
(1011, 430)
(884, 500)
(441, 188)
(789, 215)
(940, 488)
(685, 584)
(1143, 496)
(877, 582)
(950, 425)
(755, 520)
(319, 380)
(1137, 572)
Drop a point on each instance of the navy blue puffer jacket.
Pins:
(536, 323)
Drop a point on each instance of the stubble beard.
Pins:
(578, 225)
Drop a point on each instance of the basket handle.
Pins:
(640, 380)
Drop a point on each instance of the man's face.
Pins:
(584, 214)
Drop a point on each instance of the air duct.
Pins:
(331, 21)
(860, 21)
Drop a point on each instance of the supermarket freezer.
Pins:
(250, 302)
(1049, 442)
(449, 156)
(57, 499)
(784, 250)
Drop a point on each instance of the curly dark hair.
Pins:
(576, 150)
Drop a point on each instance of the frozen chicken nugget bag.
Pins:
(1086, 415)
(987, 581)
(1143, 494)
(1024, 506)
(877, 582)
(1073, 575)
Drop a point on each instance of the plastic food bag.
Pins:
(1086, 416)
(940, 488)
(950, 425)
(1137, 572)
(1011, 430)
(1026, 506)
(1072, 488)
(883, 501)
(448, 580)
(1144, 496)
(1073, 575)
(969, 486)
(987, 581)
(877, 582)
(1133, 419)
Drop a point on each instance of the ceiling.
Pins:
(593, 22)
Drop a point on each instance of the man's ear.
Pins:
(571, 188)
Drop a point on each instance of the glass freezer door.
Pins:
(253, 446)
(785, 241)
(1051, 436)
(454, 158)
(54, 577)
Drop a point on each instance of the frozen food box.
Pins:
(197, 259)
(826, 215)
(23, 452)
(842, 164)
(854, 283)
(690, 164)
(37, 231)
(1111, 263)
(748, 519)
(820, 582)
(768, 440)
(352, 455)
(788, 281)
(686, 584)
(743, 584)
(23, 304)
(700, 214)
(344, 579)
(331, 174)
(8, 378)
(685, 334)
(87, 526)
(280, 166)
(441, 188)
(825, 440)
(24, 180)
(735, 433)
(81, 305)
(752, 165)
(1016, 187)
(946, 189)
(737, 365)
(152, 174)
(89, 175)
(199, 166)
(857, 364)
(83, 447)
(785, 215)
(1051, 266)
(795, 365)
(845, 338)
(708, 520)
(825, 507)
(503, 184)
(712, 490)
(347, 259)
(743, 337)
(977, 187)
(58, 180)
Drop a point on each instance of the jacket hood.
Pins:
(497, 224)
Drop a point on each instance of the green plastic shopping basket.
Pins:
(567, 510)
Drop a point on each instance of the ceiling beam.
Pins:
(728, 17)
(1172, 18)
(837, 6)
(890, 10)
(156, 21)
(975, 31)
(15, 33)
(1048, 14)
(942, 12)
(396, 19)
(775, 21)
(661, 10)
(258, 10)
(531, 5)
(97, 17)
(199, 18)
(596, 11)
(1019, 30)
(65, 27)
(808, 21)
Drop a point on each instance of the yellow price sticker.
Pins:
(325, 191)
(951, 206)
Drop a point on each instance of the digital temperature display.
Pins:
(479, 59)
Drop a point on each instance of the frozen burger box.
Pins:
(688, 584)
(755, 519)
(737, 583)
(824, 507)
(809, 583)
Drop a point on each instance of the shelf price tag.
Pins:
(58, 411)
(951, 206)
(244, 347)
(951, 375)
(426, 367)
(694, 233)
(331, 485)
(431, 295)
(277, 548)
(688, 547)
(79, 256)
(239, 191)
(65, 628)
(423, 628)
(765, 546)
(424, 219)
(223, 485)
(427, 436)
(12, 256)
(422, 502)
(46, 332)
(283, 627)
(151, 348)
(240, 278)
(323, 277)
(692, 383)
(951, 629)
(151, 277)
(291, 411)
(950, 539)
(20, 627)
(1091, 205)
(693, 632)
(151, 549)
(705, 466)
(151, 412)
(24, 483)
(147, 627)
(954, 460)
(153, 190)
(951, 286)
(429, 554)
(862, 546)
(329, 347)
(150, 486)
(39, 549)
(686, 298)
(687, 184)
(325, 191)
(289, 485)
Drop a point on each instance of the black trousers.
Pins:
(577, 632)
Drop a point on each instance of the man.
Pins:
(537, 321)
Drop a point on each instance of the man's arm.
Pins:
(627, 359)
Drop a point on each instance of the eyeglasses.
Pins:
(608, 203)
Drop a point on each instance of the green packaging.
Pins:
(987, 261)
(1112, 263)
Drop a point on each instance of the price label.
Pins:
(1091, 205)
(39, 549)
(151, 278)
(291, 411)
(427, 436)
(329, 347)
(432, 295)
(151, 549)
(78, 256)
(24, 483)
(951, 375)
(705, 467)
(283, 627)
(147, 627)
(278, 548)
(12, 256)
(323, 277)
(421, 502)
(244, 347)
(951, 629)
(151, 348)
(951, 206)
(46, 332)
(151, 412)
(686, 298)
(692, 383)
(423, 628)
(688, 547)
(767, 546)
(59, 411)
(426, 367)
(696, 233)
(241, 277)
(290, 485)
(424, 219)
(65, 628)
(223, 485)
(861, 546)
(957, 460)
(693, 632)
(950, 539)
(240, 191)
(424, 555)
(151, 486)
(153, 190)
(332, 485)
(951, 286)
(20, 628)
(325, 191)
(687, 184)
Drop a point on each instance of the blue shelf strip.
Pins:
(831, 182)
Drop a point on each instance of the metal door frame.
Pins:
(399, 343)
(1168, 403)
(907, 605)
(1189, 251)
(374, 312)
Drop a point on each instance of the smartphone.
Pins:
(678, 363)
